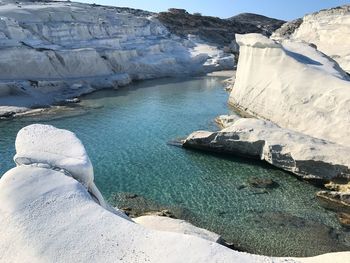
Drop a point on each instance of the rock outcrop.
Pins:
(51, 51)
(305, 156)
(215, 30)
(293, 85)
(328, 29)
(48, 213)
(303, 95)
(254, 23)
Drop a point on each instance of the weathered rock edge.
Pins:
(307, 157)
(293, 85)
(49, 213)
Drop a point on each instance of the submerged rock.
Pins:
(263, 183)
(344, 219)
(135, 205)
(336, 201)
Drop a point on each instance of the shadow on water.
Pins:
(250, 161)
(140, 84)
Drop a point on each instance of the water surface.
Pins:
(126, 133)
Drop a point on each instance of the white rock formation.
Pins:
(305, 156)
(163, 223)
(340, 257)
(46, 215)
(294, 86)
(51, 51)
(329, 30)
(67, 154)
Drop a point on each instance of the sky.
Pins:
(282, 9)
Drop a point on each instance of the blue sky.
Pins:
(283, 9)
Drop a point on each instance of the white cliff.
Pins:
(328, 29)
(293, 85)
(48, 213)
(51, 51)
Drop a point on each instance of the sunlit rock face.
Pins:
(328, 29)
(294, 86)
(51, 51)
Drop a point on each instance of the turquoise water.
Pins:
(126, 133)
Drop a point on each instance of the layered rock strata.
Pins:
(51, 51)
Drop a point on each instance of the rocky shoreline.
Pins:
(288, 123)
(68, 49)
(295, 126)
(66, 199)
(288, 117)
(121, 45)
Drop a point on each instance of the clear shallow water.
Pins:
(126, 136)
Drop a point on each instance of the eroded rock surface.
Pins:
(328, 29)
(305, 156)
(293, 85)
(49, 214)
(51, 51)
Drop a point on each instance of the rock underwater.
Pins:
(51, 212)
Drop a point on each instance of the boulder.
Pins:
(306, 156)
